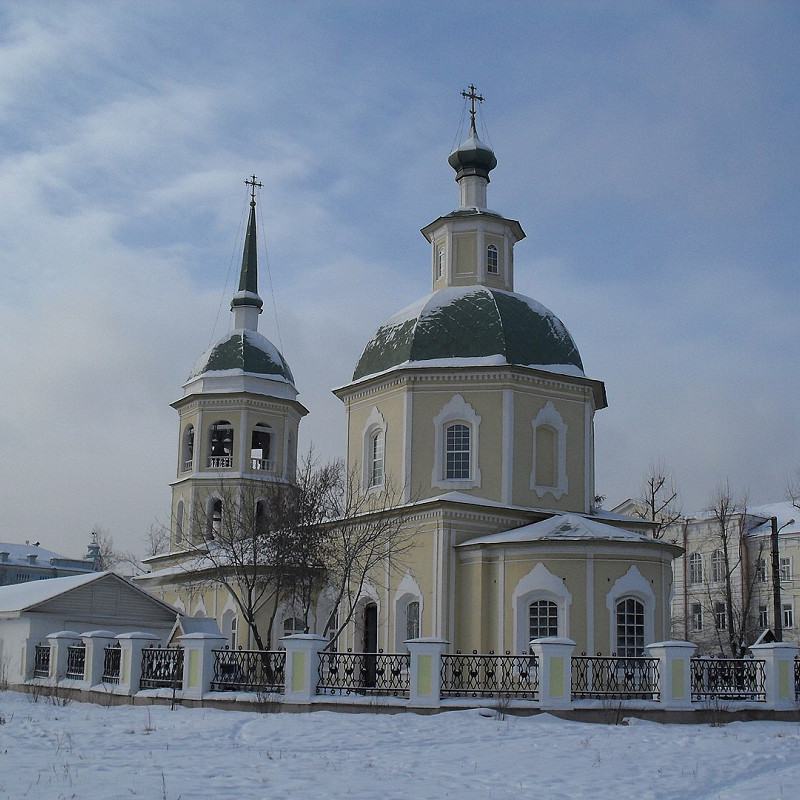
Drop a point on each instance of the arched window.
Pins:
(220, 445)
(260, 441)
(543, 618)
(440, 263)
(412, 620)
(717, 566)
(695, 568)
(179, 522)
(492, 260)
(457, 452)
(214, 518)
(549, 473)
(630, 628)
(376, 459)
(292, 625)
(187, 448)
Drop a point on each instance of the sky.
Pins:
(650, 151)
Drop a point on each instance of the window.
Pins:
(457, 453)
(763, 617)
(695, 568)
(492, 260)
(630, 628)
(786, 569)
(761, 570)
(788, 615)
(717, 566)
(220, 445)
(697, 617)
(376, 459)
(440, 263)
(292, 625)
(260, 441)
(543, 616)
(720, 617)
(412, 620)
(214, 518)
(179, 522)
(187, 449)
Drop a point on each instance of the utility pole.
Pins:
(776, 581)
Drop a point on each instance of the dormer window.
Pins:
(492, 260)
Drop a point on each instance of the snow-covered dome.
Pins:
(472, 324)
(244, 351)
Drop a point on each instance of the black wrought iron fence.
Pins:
(797, 678)
(249, 671)
(364, 673)
(162, 668)
(489, 675)
(76, 662)
(728, 679)
(615, 678)
(41, 661)
(112, 658)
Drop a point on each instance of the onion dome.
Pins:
(472, 157)
(471, 326)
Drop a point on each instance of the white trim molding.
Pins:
(538, 584)
(631, 584)
(457, 410)
(550, 418)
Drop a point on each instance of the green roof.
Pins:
(244, 351)
(469, 323)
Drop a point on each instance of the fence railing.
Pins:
(41, 661)
(615, 678)
(111, 663)
(364, 673)
(249, 671)
(489, 675)
(797, 678)
(728, 679)
(162, 668)
(76, 662)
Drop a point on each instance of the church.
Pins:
(472, 405)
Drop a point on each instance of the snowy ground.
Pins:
(89, 752)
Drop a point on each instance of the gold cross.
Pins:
(252, 183)
(472, 96)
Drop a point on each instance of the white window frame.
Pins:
(720, 616)
(717, 566)
(696, 616)
(631, 585)
(618, 649)
(787, 613)
(538, 584)
(456, 411)
(492, 264)
(407, 592)
(763, 616)
(695, 568)
(375, 425)
(548, 416)
(785, 567)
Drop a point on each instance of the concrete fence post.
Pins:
(425, 680)
(96, 643)
(60, 642)
(674, 672)
(554, 656)
(302, 666)
(778, 658)
(130, 659)
(198, 662)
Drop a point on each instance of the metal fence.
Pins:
(76, 662)
(489, 675)
(364, 673)
(249, 671)
(615, 678)
(728, 679)
(162, 668)
(112, 657)
(41, 661)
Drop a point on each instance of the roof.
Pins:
(241, 351)
(472, 322)
(24, 596)
(18, 556)
(564, 528)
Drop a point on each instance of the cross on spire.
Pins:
(472, 96)
(253, 183)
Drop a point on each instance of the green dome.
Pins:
(476, 325)
(244, 350)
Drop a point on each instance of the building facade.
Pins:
(20, 563)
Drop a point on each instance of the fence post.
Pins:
(60, 642)
(95, 643)
(778, 658)
(302, 666)
(425, 684)
(130, 659)
(198, 661)
(554, 655)
(674, 672)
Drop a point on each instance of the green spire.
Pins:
(248, 277)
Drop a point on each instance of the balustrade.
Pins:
(615, 677)
(728, 679)
(364, 673)
(489, 675)
(248, 671)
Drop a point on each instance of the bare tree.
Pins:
(156, 540)
(658, 499)
(793, 488)
(109, 556)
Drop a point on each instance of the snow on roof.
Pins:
(562, 527)
(18, 554)
(784, 511)
(21, 596)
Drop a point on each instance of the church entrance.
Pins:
(370, 643)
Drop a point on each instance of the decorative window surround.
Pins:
(407, 591)
(538, 584)
(375, 425)
(631, 584)
(549, 417)
(457, 410)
